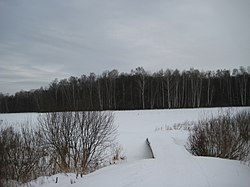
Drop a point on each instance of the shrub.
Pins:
(77, 141)
(19, 155)
(226, 136)
(63, 142)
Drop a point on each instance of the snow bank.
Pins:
(173, 164)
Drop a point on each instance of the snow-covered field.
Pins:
(173, 164)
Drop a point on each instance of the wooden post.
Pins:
(148, 143)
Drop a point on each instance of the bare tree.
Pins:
(141, 81)
(77, 141)
(55, 131)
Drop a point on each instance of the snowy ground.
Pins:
(173, 164)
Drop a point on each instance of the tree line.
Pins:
(138, 89)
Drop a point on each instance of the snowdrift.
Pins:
(172, 166)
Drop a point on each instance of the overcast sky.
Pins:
(41, 40)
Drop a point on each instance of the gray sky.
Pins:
(41, 40)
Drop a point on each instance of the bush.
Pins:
(62, 142)
(77, 141)
(19, 155)
(227, 136)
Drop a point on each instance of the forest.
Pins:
(138, 89)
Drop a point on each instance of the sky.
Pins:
(41, 40)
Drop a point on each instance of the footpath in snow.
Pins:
(179, 168)
(173, 166)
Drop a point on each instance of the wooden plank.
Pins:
(150, 148)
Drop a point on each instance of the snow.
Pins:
(173, 164)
